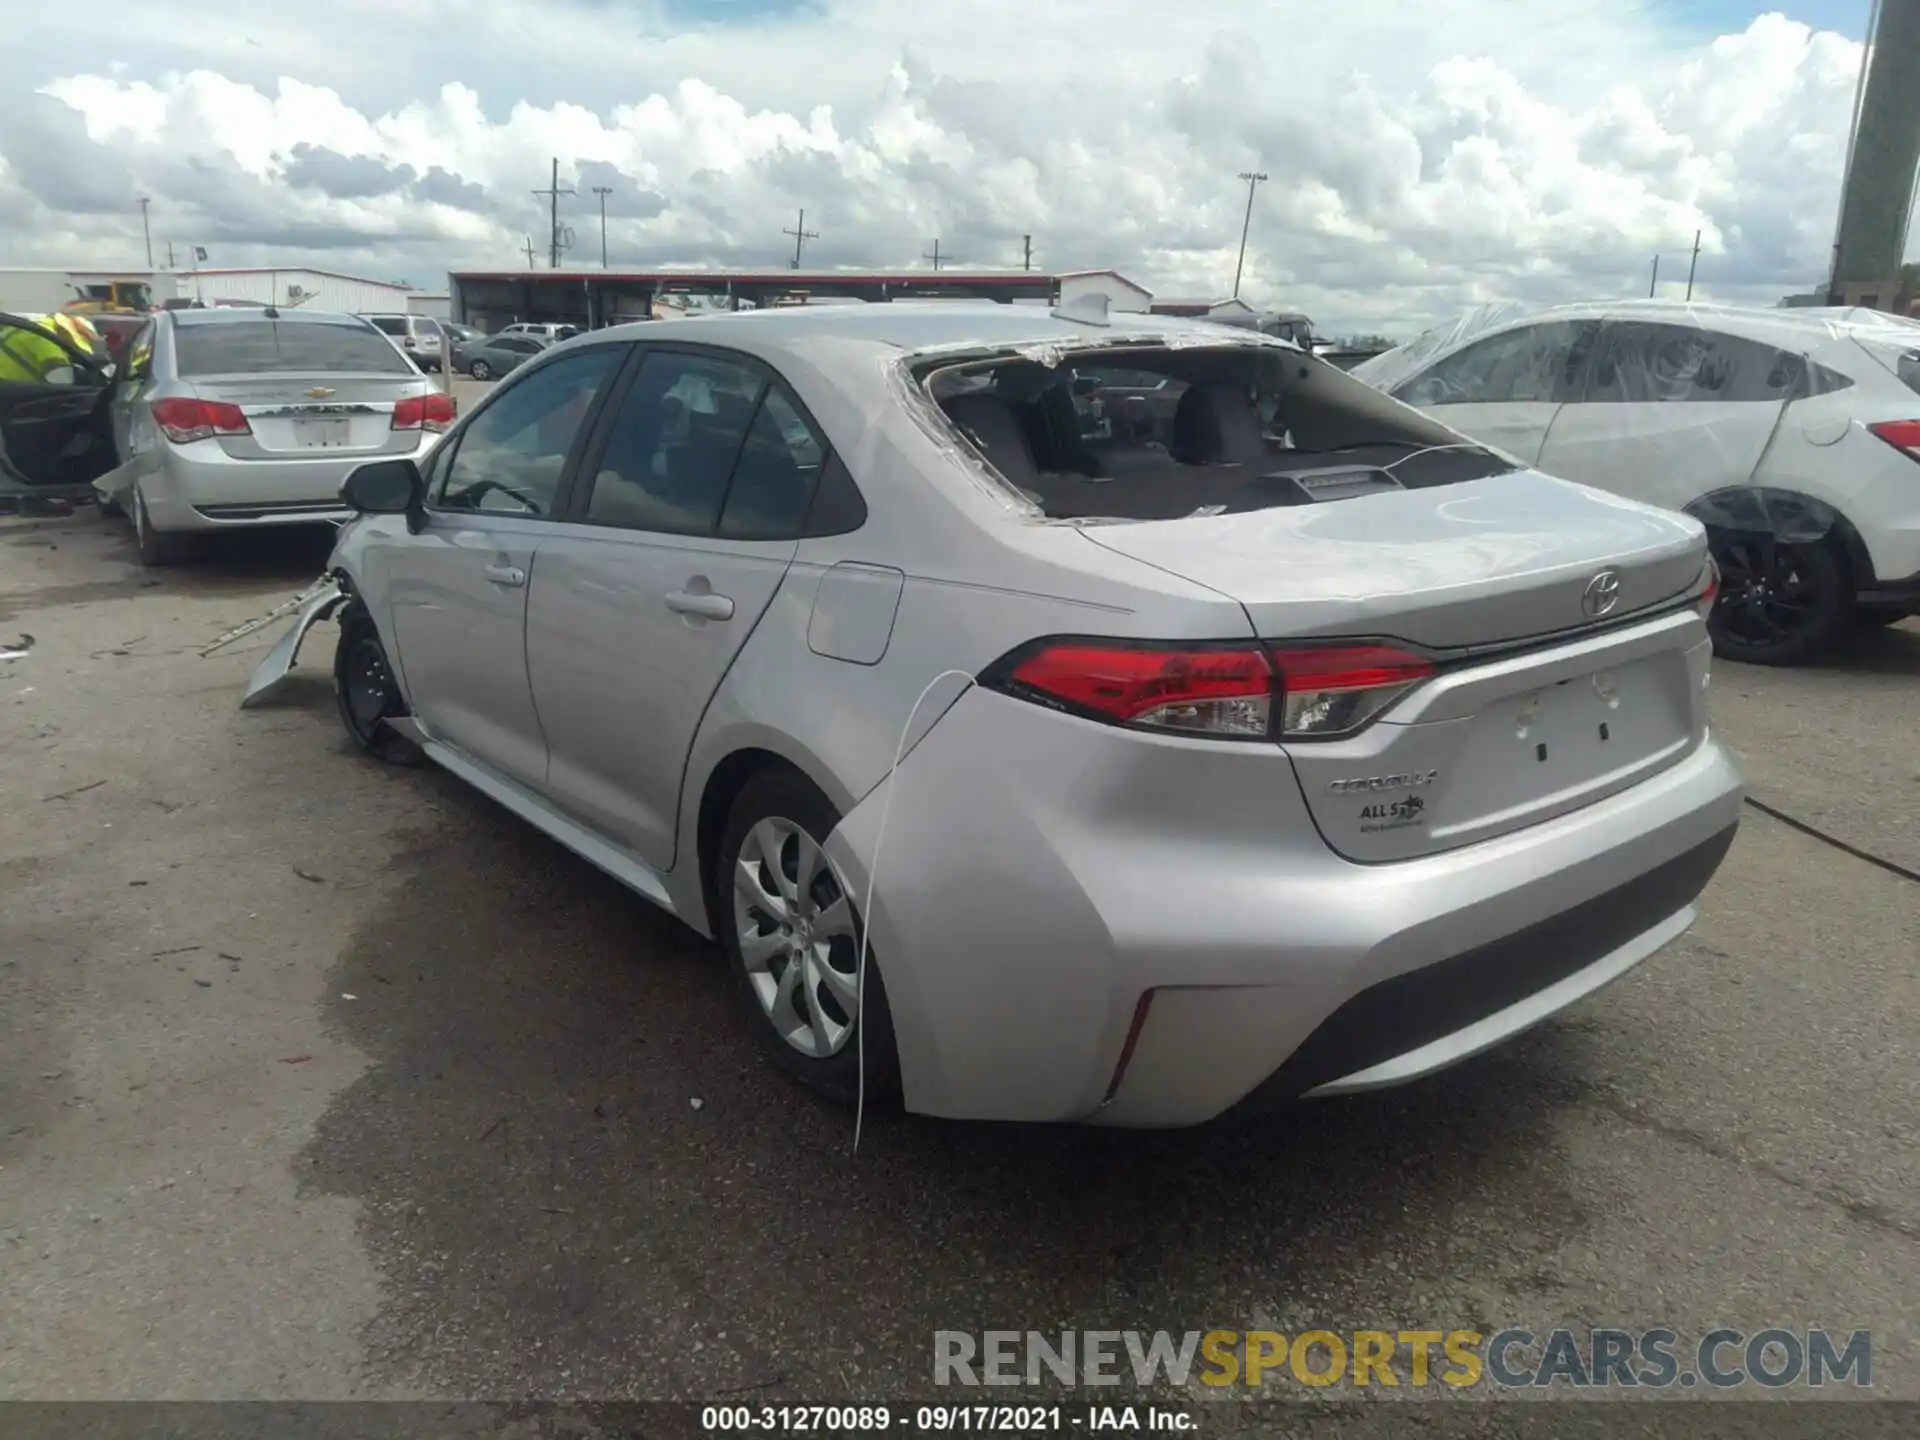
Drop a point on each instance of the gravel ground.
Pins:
(320, 1079)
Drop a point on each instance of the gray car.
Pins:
(1285, 745)
(487, 357)
(232, 419)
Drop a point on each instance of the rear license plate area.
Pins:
(1570, 741)
(328, 433)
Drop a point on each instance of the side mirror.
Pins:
(385, 487)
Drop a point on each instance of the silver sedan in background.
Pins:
(237, 418)
(488, 357)
(1284, 743)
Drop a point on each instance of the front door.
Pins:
(458, 590)
(1507, 389)
(688, 519)
(1672, 412)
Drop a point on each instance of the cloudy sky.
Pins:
(1422, 157)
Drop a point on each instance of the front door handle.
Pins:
(506, 575)
(705, 604)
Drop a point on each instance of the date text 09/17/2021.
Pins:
(945, 1419)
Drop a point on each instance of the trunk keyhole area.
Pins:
(1603, 732)
(1540, 751)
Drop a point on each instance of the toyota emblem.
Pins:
(1601, 595)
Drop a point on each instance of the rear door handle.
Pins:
(506, 575)
(708, 605)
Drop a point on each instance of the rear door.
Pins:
(458, 589)
(1505, 390)
(1671, 412)
(687, 515)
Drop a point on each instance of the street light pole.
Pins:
(603, 191)
(1253, 178)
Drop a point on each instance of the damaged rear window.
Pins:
(1161, 434)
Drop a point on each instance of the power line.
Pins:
(553, 193)
(800, 235)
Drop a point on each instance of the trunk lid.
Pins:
(314, 415)
(1480, 562)
(1492, 742)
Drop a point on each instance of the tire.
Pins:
(1780, 603)
(156, 547)
(366, 692)
(480, 370)
(815, 1039)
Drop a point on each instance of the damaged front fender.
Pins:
(273, 669)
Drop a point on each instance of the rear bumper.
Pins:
(1119, 865)
(190, 491)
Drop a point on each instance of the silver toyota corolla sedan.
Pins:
(1238, 738)
(237, 418)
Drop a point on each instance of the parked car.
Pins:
(1793, 433)
(544, 330)
(488, 357)
(458, 333)
(416, 335)
(1236, 767)
(237, 419)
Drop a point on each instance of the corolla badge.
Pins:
(1410, 780)
(1601, 595)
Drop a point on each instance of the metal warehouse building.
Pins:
(311, 289)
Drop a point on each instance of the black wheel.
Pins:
(1780, 603)
(156, 547)
(367, 693)
(480, 370)
(792, 939)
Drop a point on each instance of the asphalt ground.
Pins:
(321, 1079)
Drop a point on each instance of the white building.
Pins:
(294, 286)
(1123, 296)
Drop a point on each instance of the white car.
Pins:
(1794, 435)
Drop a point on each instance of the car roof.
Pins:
(232, 315)
(916, 326)
(1823, 322)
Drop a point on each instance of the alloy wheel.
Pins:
(368, 685)
(1765, 596)
(797, 937)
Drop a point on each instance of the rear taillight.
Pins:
(429, 412)
(1709, 589)
(184, 421)
(1233, 692)
(1901, 434)
(1333, 690)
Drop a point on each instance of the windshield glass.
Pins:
(1162, 434)
(250, 347)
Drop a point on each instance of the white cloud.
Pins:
(1418, 162)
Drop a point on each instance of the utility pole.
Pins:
(935, 256)
(1692, 263)
(529, 252)
(603, 191)
(1655, 281)
(146, 229)
(1253, 178)
(1026, 258)
(553, 192)
(169, 255)
(800, 235)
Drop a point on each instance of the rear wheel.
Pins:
(1781, 603)
(366, 691)
(156, 548)
(792, 940)
(480, 370)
